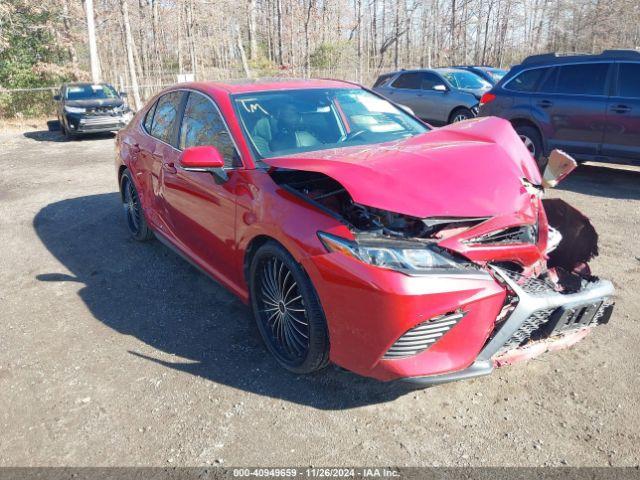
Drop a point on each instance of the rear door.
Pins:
(201, 206)
(622, 132)
(158, 153)
(572, 100)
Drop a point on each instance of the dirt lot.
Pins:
(119, 353)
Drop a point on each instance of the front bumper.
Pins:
(83, 123)
(368, 309)
(530, 303)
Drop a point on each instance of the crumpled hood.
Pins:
(469, 169)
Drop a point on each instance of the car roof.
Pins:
(559, 58)
(82, 84)
(269, 84)
(450, 69)
(437, 69)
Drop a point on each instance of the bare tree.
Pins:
(124, 10)
(93, 47)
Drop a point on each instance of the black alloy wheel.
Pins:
(133, 213)
(287, 310)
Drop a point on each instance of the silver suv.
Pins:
(438, 96)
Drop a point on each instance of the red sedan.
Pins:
(357, 233)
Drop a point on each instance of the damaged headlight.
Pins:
(406, 257)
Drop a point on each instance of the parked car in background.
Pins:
(586, 105)
(491, 74)
(90, 108)
(359, 235)
(437, 96)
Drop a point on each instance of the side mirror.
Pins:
(558, 167)
(123, 94)
(56, 97)
(204, 159)
(440, 87)
(201, 159)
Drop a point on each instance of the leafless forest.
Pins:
(148, 42)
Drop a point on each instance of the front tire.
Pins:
(287, 310)
(134, 216)
(460, 114)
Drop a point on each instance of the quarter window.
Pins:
(582, 79)
(526, 81)
(166, 116)
(203, 125)
(148, 119)
(629, 80)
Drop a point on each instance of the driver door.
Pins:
(201, 207)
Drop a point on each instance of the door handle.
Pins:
(620, 108)
(170, 167)
(545, 103)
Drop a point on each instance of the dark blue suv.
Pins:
(586, 105)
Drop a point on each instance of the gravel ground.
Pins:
(119, 353)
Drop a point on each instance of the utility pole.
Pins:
(93, 47)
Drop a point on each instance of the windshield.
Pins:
(462, 79)
(88, 91)
(495, 73)
(283, 123)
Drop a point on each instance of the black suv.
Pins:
(89, 108)
(586, 105)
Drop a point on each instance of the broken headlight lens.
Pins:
(406, 257)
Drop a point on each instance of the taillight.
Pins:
(487, 97)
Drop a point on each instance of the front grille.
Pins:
(99, 121)
(535, 327)
(421, 337)
(101, 111)
(531, 285)
(528, 328)
(511, 235)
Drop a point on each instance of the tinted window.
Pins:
(165, 117)
(549, 83)
(409, 80)
(148, 119)
(526, 81)
(429, 80)
(584, 79)
(203, 125)
(382, 79)
(629, 80)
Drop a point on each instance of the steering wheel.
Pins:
(351, 135)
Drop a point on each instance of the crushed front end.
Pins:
(437, 299)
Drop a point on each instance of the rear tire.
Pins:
(287, 310)
(533, 141)
(460, 114)
(134, 215)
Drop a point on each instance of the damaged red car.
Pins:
(358, 234)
